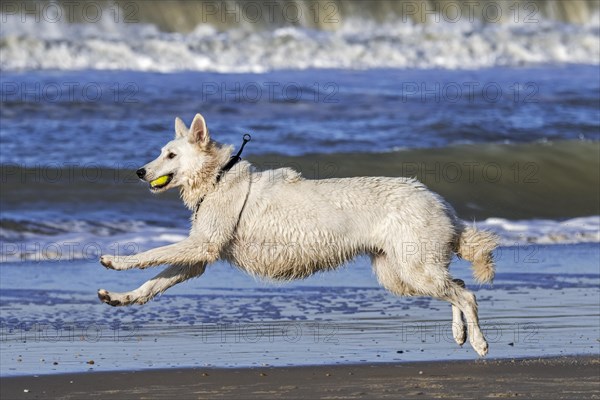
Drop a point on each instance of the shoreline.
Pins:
(547, 378)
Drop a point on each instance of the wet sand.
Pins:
(544, 303)
(543, 378)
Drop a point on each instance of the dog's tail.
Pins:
(477, 246)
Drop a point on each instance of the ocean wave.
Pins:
(512, 181)
(356, 43)
(34, 241)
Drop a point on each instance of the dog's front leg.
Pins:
(186, 252)
(161, 282)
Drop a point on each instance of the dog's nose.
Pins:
(141, 173)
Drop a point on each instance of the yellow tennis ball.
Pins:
(160, 181)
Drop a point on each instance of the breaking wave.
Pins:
(165, 38)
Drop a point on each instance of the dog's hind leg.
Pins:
(432, 281)
(388, 278)
(465, 300)
(161, 282)
(459, 329)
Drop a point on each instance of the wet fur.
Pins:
(277, 225)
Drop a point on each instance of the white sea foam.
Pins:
(80, 240)
(543, 231)
(358, 44)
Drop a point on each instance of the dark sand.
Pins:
(551, 378)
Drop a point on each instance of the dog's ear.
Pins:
(180, 129)
(198, 131)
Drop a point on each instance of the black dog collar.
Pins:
(232, 161)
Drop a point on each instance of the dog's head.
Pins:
(180, 162)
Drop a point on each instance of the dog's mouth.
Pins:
(161, 182)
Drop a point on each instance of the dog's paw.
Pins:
(104, 297)
(459, 332)
(107, 261)
(481, 347)
(116, 262)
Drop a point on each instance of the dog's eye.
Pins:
(171, 155)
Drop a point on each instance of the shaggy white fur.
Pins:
(278, 225)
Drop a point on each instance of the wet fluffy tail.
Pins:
(477, 246)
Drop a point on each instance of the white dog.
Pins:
(278, 225)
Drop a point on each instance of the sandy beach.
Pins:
(542, 378)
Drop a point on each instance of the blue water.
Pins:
(121, 119)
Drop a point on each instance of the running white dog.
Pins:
(278, 225)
